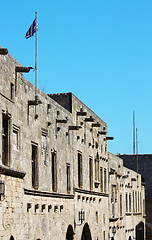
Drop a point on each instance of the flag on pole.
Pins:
(31, 30)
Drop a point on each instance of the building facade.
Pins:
(144, 164)
(57, 179)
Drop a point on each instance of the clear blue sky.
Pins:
(99, 50)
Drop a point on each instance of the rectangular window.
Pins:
(140, 203)
(12, 91)
(79, 170)
(135, 201)
(97, 217)
(129, 202)
(54, 172)
(96, 169)
(126, 202)
(120, 205)
(105, 180)
(91, 173)
(133, 196)
(101, 179)
(144, 210)
(68, 178)
(34, 166)
(104, 235)
(15, 137)
(5, 140)
(44, 147)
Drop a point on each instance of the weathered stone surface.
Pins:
(41, 210)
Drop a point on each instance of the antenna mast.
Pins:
(133, 132)
(137, 149)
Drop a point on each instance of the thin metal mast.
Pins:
(133, 132)
(137, 149)
(36, 97)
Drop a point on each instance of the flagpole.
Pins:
(36, 97)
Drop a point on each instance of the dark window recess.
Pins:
(101, 179)
(12, 91)
(91, 173)
(34, 167)
(5, 140)
(54, 172)
(79, 170)
(68, 178)
(105, 180)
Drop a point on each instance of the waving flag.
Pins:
(31, 30)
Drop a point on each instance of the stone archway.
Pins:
(129, 238)
(86, 234)
(69, 233)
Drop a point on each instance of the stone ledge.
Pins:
(90, 192)
(48, 194)
(11, 172)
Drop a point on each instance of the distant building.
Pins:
(145, 169)
(57, 179)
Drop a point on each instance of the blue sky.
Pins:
(99, 50)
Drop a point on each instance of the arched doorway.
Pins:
(129, 238)
(140, 231)
(86, 234)
(112, 238)
(69, 234)
(11, 238)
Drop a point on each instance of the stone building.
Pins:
(145, 168)
(57, 179)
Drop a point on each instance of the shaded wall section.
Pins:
(145, 169)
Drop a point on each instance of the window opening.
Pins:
(68, 178)
(54, 172)
(34, 167)
(79, 170)
(91, 173)
(101, 179)
(5, 140)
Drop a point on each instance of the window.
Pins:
(105, 180)
(12, 91)
(120, 205)
(44, 147)
(68, 178)
(97, 168)
(144, 210)
(113, 193)
(129, 202)
(126, 202)
(15, 137)
(79, 170)
(133, 201)
(91, 173)
(101, 179)
(97, 217)
(138, 202)
(104, 235)
(54, 172)
(34, 167)
(5, 139)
